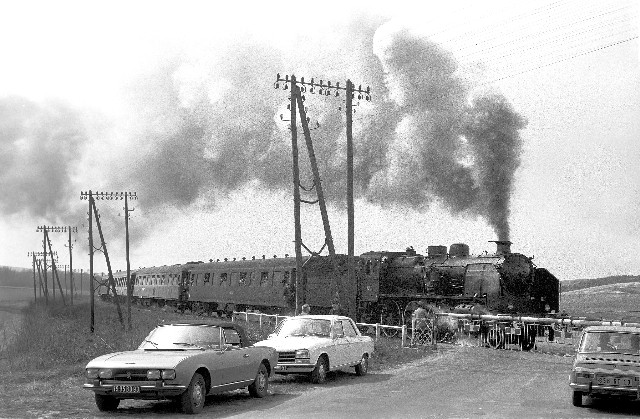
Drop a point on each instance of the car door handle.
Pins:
(246, 355)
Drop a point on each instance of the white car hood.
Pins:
(292, 343)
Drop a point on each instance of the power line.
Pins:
(559, 61)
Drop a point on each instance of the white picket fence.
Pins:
(378, 329)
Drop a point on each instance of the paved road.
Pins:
(461, 382)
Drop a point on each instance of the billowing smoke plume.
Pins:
(204, 126)
(39, 144)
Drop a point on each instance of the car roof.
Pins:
(629, 329)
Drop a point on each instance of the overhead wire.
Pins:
(559, 61)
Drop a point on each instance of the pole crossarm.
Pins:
(325, 89)
(108, 195)
(57, 229)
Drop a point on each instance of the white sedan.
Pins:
(317, 344)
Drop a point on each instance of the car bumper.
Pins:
(633, 392)
(148, 389)
(291, 368)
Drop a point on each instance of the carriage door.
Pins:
(183, 293)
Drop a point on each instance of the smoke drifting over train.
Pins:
(203, 126)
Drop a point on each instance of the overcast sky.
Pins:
(489, 120)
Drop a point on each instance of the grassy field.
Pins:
(610, 302)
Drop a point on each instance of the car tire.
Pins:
(192, 400)
(319, 373)
(577, 398)
(260, 386)
(106, 403)
(362, 368)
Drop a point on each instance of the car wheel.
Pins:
(260, 386)
(106, 403)
(319, 373)
(363, 367)
(577, 398)
(192, 400)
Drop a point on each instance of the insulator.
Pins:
(285, 87)
(360, 88)
(312, 91)
(337, 94)
(301, 81)
(286, 78)
(338, 85)
(303, 89)
(320, 92)
(368, 90)
(288, 107)
(368, 98)
(278, 77)
(329, 84)
(303, 98)
(320, 82)
(359, 97)
(308, 119)
(328, 92)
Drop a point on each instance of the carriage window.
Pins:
(223, 278)
(242, 280)
(285, 277)
(264, 279)
(207, 277)
(213, 278)
(250, 279)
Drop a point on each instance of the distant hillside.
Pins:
(579, 284)
(17, 277)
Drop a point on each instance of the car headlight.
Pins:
(302, 355)
(153, 374)
(168, 374)
(92, 372)
(105, 373)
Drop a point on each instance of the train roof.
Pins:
(289, 262)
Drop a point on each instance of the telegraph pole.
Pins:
(90, 196)
(126, 227)
(327, 89)
(39, 263)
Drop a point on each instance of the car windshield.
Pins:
(302, 327)
(182, 337)
(611, 342)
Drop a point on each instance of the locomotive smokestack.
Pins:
(503, 247)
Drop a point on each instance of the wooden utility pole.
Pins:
(296, 192)
(327, 90)
(129, 284)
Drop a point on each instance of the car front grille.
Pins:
(130, 375)
(287, 356)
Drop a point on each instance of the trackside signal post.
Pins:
(297, 98)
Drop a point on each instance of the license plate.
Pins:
(614, 381)
(126, 389)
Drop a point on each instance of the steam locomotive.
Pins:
(387, 285)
